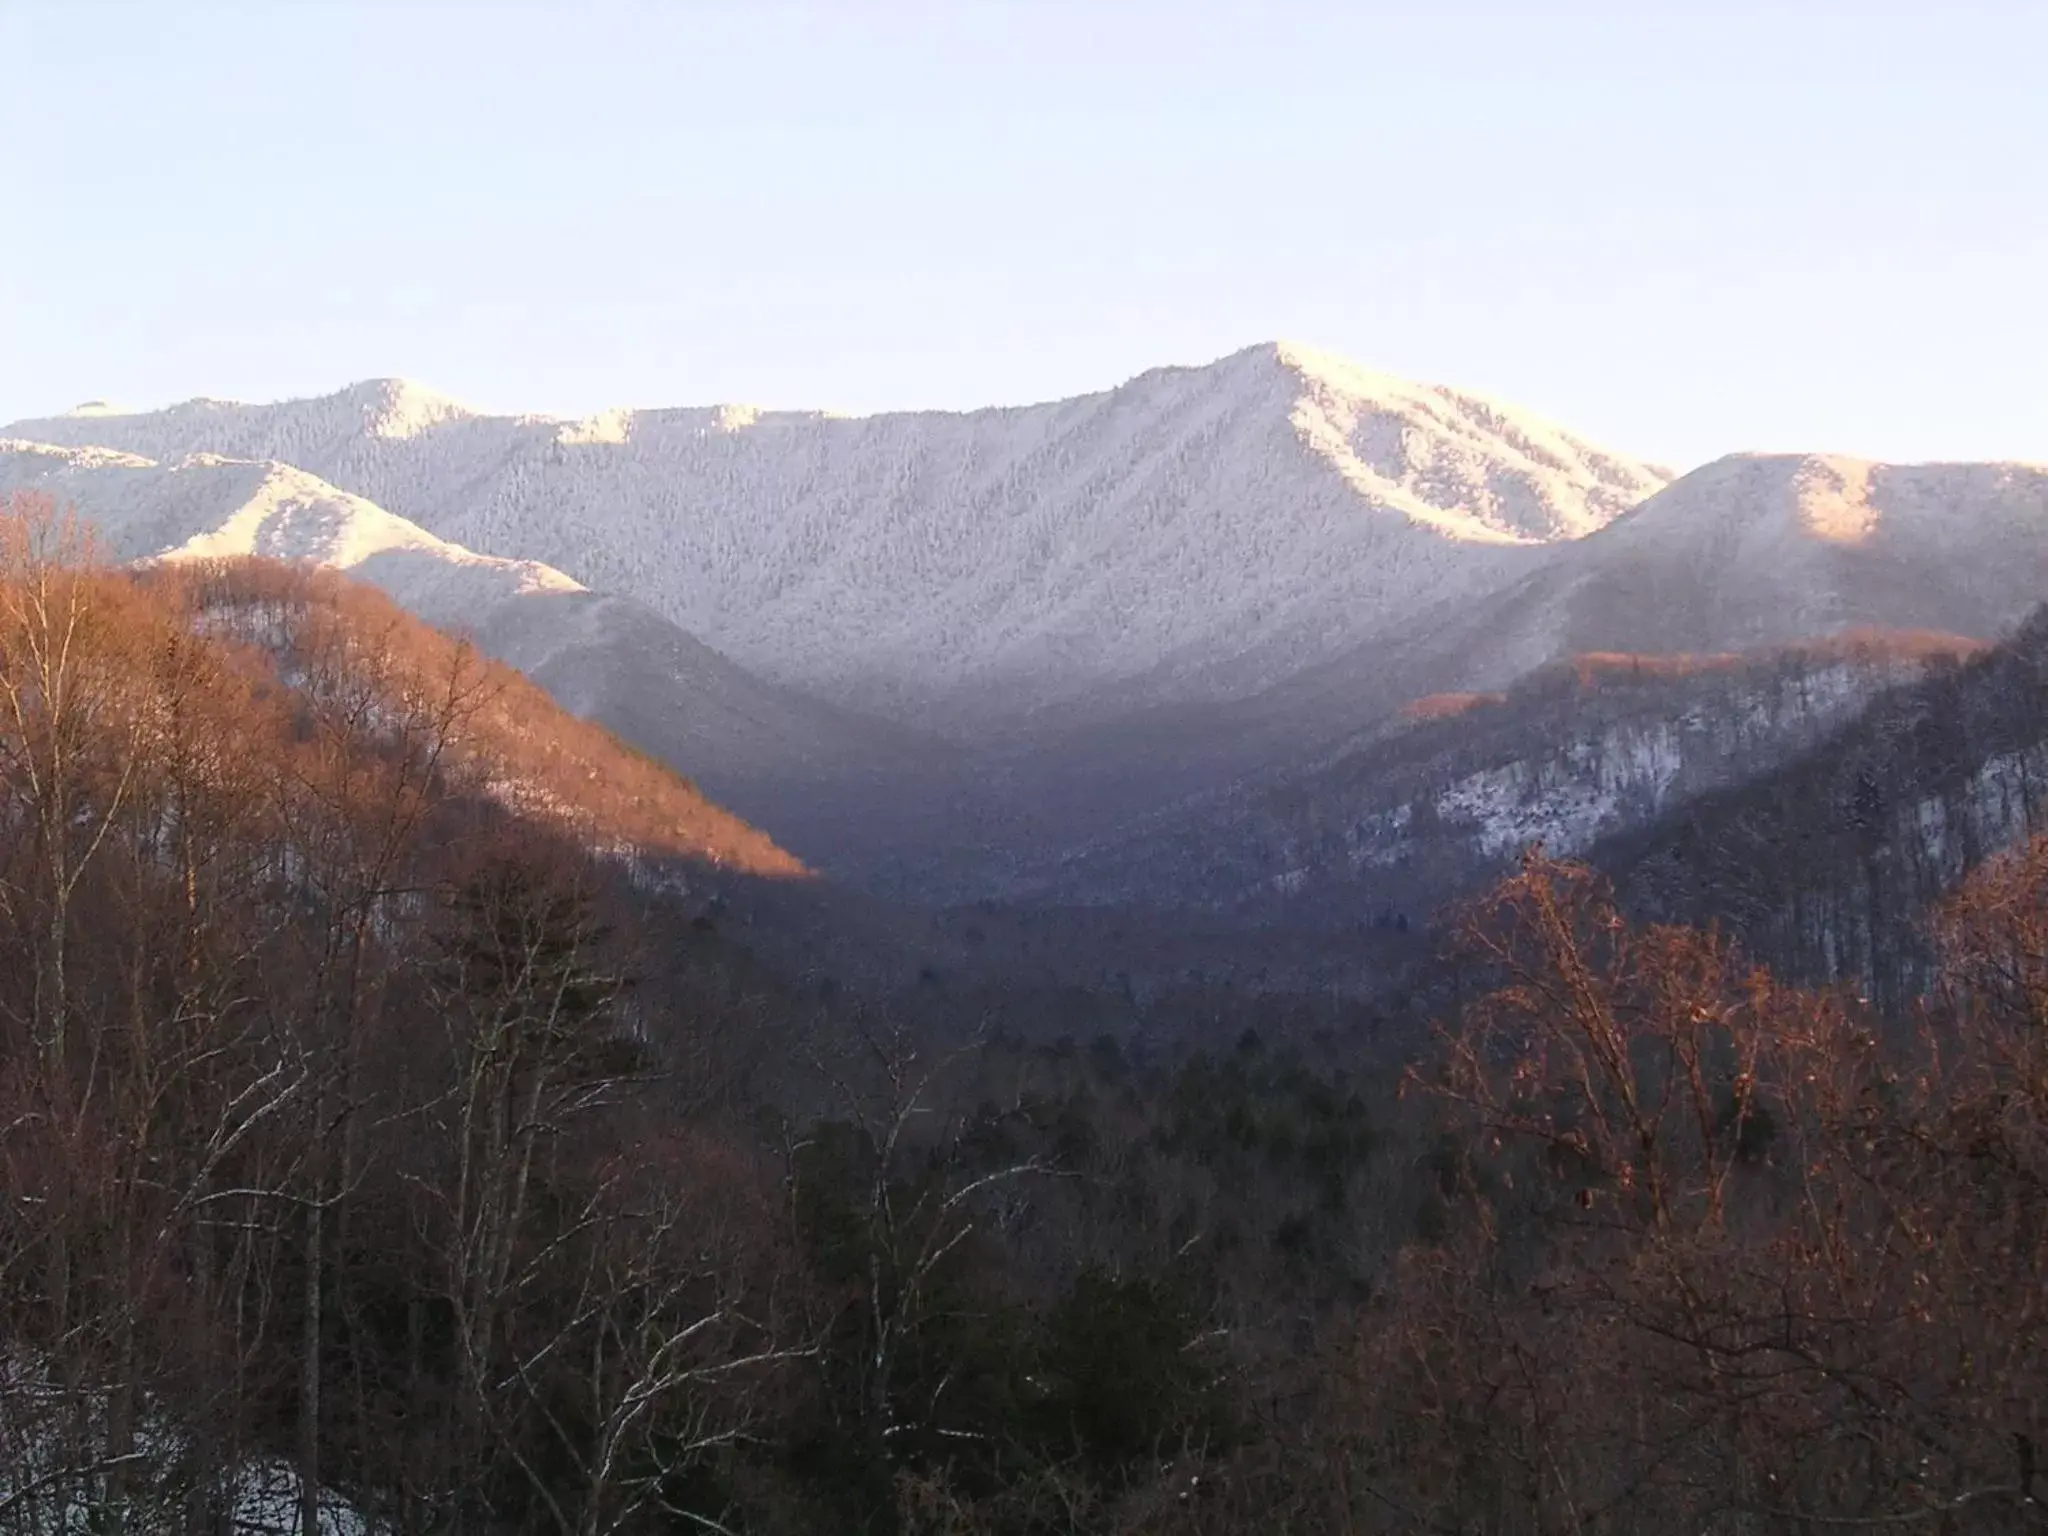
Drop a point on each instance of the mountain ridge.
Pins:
(935, 564)
(941, 644)
(211, 506)
(769, 753)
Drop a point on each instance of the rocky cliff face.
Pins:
(1830, 865)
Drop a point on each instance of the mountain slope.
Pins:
(1420, 813)
(206, 506)
(1129, 621)
(1207, 530)
(1766, 549)
(773, 755)
(1748, 554)
(1828, 865)
(840, 787)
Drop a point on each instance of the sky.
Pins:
(1680, 227)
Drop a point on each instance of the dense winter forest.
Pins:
(392, 1138)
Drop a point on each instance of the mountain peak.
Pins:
(1474, 469)
(398, 407)
(1205, 528)
(1325, 366)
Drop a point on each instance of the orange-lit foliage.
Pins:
(1588, 671)
(1855, 647)
(344, 1126)
(553, 765)
(1718, 1250)
(1593, 668)
(1864, 647)
(1448, 706)
(315, 1013)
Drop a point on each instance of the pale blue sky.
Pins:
(1681, 227)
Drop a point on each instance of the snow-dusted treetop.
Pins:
(1206, 528)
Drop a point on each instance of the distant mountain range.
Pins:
(979, 655)
(1207, 530)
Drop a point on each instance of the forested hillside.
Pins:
(1832, 863)
(1413, 815)
(393, 1137)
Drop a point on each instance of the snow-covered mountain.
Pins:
(1044, 628)
(761, 749)
(1767, 549)
(1749, 551)
(207, 505)
(1206, 530)
(1747, 555)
